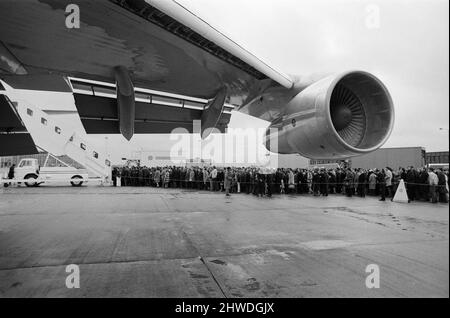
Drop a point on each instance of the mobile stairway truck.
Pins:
(29, 172)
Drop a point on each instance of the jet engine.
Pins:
(339, 116)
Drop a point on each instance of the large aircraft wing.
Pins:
(161, 46)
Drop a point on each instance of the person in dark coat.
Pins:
(140, 175)
(269, 182)
(382, 182)
(324, 179)
(442, 186)
(135, 177)
(316, 182)
(340, 176)
(411, 179)
(349, 182)
(362, 183)
(254, 182)
(403, 173)
(227, 178)
(11, 172)
(261, 184)
(114, 174)
(220, 179)
(182, 178)
(10, 175)
(125, 176)
(248, 181)
(146, 176)
(332, 182)
(424, 187)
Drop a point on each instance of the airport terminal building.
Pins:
(391, 157)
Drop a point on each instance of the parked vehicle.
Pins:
(29, 172)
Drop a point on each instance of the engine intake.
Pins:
(339, 116)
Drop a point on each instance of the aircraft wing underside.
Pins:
(151, 66)
(160, 44)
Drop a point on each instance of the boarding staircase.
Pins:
(51, 136)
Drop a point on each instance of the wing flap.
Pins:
(99, 115)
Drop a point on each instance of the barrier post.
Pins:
(401, 195)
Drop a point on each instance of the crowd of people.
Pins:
(426, 184)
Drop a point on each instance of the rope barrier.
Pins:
(353, 183)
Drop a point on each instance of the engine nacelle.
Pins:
(339, 116)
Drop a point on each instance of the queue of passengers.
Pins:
(421, 183)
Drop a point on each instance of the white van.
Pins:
(29, 170)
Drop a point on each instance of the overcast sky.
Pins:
(408, 50)
(406, 46)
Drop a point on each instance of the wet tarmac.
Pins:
(147, 242)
